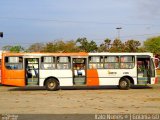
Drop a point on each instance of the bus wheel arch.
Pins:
(51, 84)
(125, 83)
(130, 79)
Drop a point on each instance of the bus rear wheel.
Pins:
(124, 84)
(51, 84)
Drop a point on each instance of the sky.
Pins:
(25, 22)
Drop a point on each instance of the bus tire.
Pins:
(52, 84)
(124, 83)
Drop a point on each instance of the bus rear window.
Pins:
(15, 63)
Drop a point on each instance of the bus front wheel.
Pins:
(51, 84)
(124, 84)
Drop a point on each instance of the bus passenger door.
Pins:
(144, 70)
(32, 71)
(79, 71)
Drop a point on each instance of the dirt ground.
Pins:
(35, 100)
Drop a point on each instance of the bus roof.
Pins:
(107, 53)
(73, 54)
(47, 54)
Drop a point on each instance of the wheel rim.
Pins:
(123, 84)
(51, 85)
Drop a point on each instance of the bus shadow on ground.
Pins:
(37, 88)
(141, 87)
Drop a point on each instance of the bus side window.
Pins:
(63, 62)
(14, 63)
(48, 63)
(111, 62)
(96, 62)
(127, 62)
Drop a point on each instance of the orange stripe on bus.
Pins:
(92, 77)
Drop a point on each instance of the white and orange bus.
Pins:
(54, 70)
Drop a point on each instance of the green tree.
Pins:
(6, 48)
(16, 48)
(117, 46)
(85, 45)
(142, 49)
(132, 46)
(104, 47)
(70, 46)
(49, 47)
(153, 45)
(61, 46)
(36, 47)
